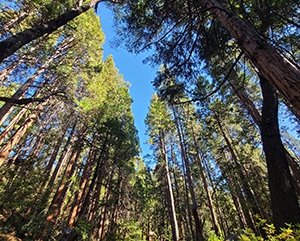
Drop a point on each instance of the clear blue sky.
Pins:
(139, 75)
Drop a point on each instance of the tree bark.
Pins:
(256, 116)
(59, 197)
(7, 107)
(12, 123)
(80, 193)
(277, 69)
(284, 201)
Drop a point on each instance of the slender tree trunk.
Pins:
(206, 187)
(277, 69)
(23, 14)
(284, 201)
(238, 200)
(172, 210)
(12, 123)
(80, 193)
(59, 197)
(224, 222)
(99, 173)
(6, 109)
(178, 200)
(52, 159)
(242, 176)
(62, 159)
(198, 222)
(5, 150)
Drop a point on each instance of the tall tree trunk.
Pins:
(7, 148)
(172, 211)
(12, 123)
(206, 187)
(242, 176)
(5, 110)
(198, 222)
(178, 200)
(224, 221)
(13, 43)
(82, 187)
(99, 173)
(62, 159)
(52, 159)
(59, 197)
(277, 69)
(284, 201)
(256, 116)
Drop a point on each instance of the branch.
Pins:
(218, 88)
(26, 101)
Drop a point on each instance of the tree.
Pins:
(84, 143)
(158, 121)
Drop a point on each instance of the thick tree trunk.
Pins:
(13, 43)
(256, 116)
(284, 201)
(278, 70)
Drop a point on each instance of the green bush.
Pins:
(290, 233)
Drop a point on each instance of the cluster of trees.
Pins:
(68, 140)
(213, 50)
(69, 154)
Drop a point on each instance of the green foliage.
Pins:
(129, 230)
(290, 233)
(83, 229)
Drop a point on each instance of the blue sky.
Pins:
(139, 75)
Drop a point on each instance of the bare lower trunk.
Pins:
(284, 201)
(171, 202)
(256, 116)
(80, 193)
(198, 222)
